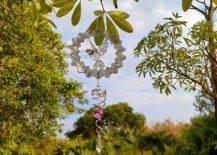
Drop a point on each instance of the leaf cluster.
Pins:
(174, 59)
(105, 21)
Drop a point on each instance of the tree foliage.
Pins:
(167, 138)
(112, 19)
(199, 137)
(118, 116)
(186, 4)
(203, 104)
(174, 59)
(33, 89)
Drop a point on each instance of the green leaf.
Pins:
(93, 25)
(186, 4)
(65, 9)
(76, 16)
(48, 9)
(100, 27)
(98, 12)
(98, 39)
(42, 5)
(122, 23)
(101, 24)
(51, 22)
(70, 107)
(61, 3)
(34, 11)
(115, 4)
(119, 14)
(167, 91)
(187, 41)
(13, 62)
(215, 1)
(97, 24)
(112, 30)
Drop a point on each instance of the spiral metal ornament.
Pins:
(98, 71)
(99, 95)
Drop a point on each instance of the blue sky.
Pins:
(126, 86)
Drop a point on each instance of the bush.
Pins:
(200, 136)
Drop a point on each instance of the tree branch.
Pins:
(199, 10)
(203, 2)
(188, 77)
(103, 8)
(206, 63)
(209, 54)
(193, 80)
(215, 9)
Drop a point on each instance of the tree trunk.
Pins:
(214, 81)
(215, 104)
(213, 60)
(213, 63)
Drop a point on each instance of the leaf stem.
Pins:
(103, 9)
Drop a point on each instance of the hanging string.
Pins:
(99, 95)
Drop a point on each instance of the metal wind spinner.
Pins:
(98, 70)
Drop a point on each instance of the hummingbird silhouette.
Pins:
(96, 53)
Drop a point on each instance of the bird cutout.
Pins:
(96, 53)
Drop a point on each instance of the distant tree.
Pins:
(121, 115)
(157, 141)
(159, 138)
(203, 104)
(172, 58)
(118, 116)
(199, 136)
(34, 91)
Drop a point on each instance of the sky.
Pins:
(126, 86)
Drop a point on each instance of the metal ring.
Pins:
(76, 59)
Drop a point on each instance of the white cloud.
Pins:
(161, 10)
(192, 17)
(152, 98)
(157, 107)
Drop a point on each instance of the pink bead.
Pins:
(98, 113)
